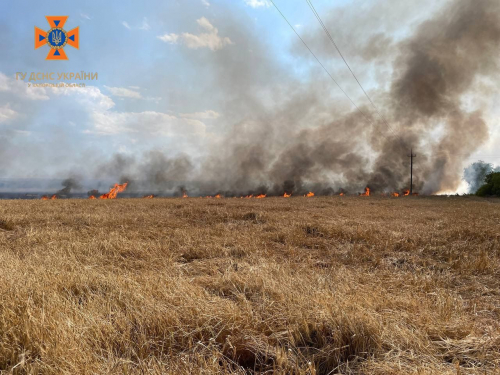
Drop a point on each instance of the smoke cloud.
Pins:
(294, 134)
(69, 184)
(436, 67)
(475, 174)
(433, 69)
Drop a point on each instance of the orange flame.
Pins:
(341, 194)
(309, 195)
(260, 196)
(46, 198)
(366, 193)
(406, 192)
(91, 197)
(184, 195)
(149, 196)
(395, 194)
(287, 195)
(249, 196)
(218, 196)
(113, 192)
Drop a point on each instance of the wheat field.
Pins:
(324, 285)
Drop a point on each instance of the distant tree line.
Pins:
(483, 179)
(491, 187)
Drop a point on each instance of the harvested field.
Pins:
(350, 285)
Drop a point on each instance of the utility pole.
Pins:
(411, 156)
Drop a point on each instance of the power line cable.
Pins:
(333, 79)
(309, 2)
(313, 9)
(320, 63)
(352, 72)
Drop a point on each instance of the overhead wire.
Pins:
(325, 29)
(367, 117)
(327, 32)
(313, 9)
(320, 63)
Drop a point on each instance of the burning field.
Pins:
(277, 226)
(318, 285)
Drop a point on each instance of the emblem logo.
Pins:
(57, 38)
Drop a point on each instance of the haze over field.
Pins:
(224, 96)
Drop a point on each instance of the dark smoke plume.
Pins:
(301, 140)
(69, 184)
(437, 66)
(433, 70)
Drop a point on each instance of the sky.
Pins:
(163, 78)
